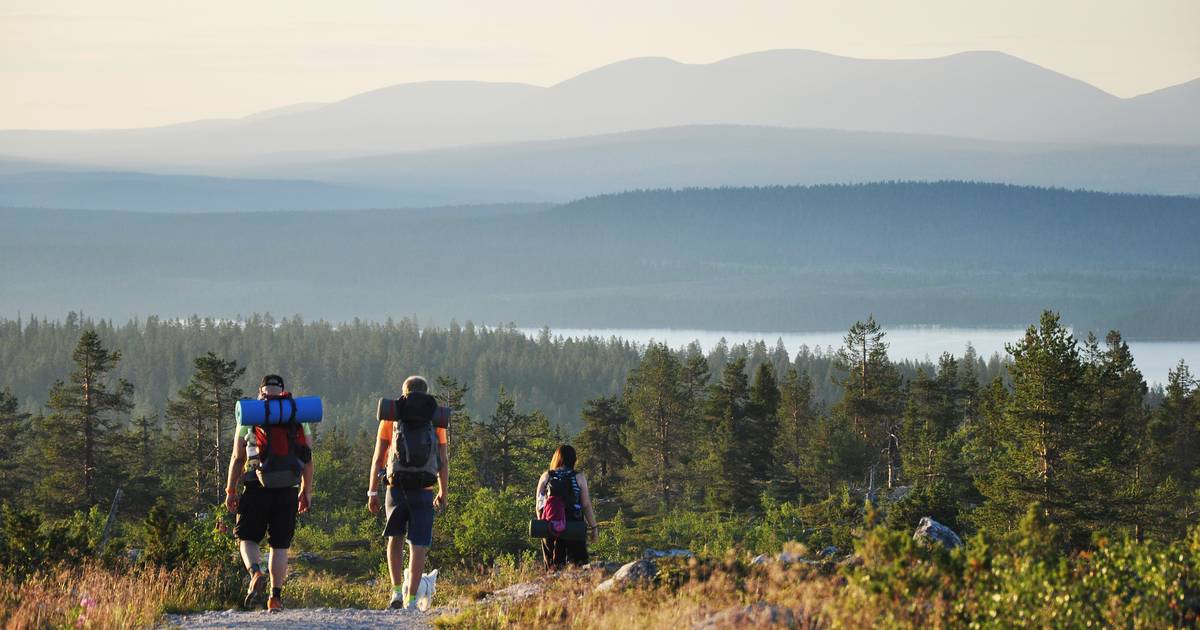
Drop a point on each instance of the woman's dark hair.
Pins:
(564, 457)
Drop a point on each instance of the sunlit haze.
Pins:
(136, 63)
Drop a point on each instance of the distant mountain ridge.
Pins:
(985, 95)
(561, 170)
(768, 258)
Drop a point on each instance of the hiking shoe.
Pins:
(257, 591)
(274, 604)
(397, 602)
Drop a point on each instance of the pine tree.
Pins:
(1172, 457)
(1042, 436)
(81, 428)
(198, 410)
(660, 408)
(601, 443)
(871, 399)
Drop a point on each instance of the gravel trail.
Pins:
(293, 619)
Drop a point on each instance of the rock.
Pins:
(651, 554)
(898, 493)
(930, 530)
(787, 557)
(760, 614)
(761, 558)
(519, 592)
(600, 565)
(634, 572)
(828, 552)
(852, 560)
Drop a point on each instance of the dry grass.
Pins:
(93, 596)
(684, 594)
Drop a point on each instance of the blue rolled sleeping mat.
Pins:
(254, 412)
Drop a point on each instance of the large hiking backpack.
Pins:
(282, 450)
(413, 460)
(562, 501)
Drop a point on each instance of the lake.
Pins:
(1153, 358)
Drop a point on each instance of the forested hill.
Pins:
(775, 258)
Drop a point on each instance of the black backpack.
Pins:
(564, 485)
(413, 455)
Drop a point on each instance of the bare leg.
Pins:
(250, 553)
(395, 558)
(279, 567)
(416, 564)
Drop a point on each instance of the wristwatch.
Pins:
(372, 493)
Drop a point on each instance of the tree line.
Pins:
(1064, 423)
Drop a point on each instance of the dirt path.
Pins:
(332, 618)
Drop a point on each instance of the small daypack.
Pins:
(562, 501)
(283, 450)
(413, 460)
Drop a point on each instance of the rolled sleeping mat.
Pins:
(576, 530)
(389, 409)
(254, 412)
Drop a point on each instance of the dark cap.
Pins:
(271, 379)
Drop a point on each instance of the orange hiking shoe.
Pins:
(274, 604)
(257, 591)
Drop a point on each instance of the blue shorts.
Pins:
(411, 512)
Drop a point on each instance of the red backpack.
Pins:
(283, 450)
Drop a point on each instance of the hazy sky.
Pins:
(135, 63)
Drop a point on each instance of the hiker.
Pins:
(564, 483)
(411, 455)
(274, 464)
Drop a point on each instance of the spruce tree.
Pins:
(81, 428)
(763, 426)
(601, 443)
(14, 444)
(660, 408)
(796, 419)
(728, 466)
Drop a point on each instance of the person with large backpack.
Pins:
(411, 455)
(562, 496)
(274, 465)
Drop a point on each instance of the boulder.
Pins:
(931, 531)
(761, 558)
(754, 615)
(828, 552)
(518, 592)
(899, 493)
(635, 572)
(651, 554)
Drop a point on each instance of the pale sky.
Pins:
(138, 63)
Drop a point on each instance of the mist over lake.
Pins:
(1154, 358)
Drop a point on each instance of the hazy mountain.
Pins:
(560, 170)
(978, 95)
(775, 258)
(179, 193)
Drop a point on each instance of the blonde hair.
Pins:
(415, 383)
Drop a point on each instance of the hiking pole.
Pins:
(112, 514)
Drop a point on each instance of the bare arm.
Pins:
(237, 464)
(377, 462)
(443, 477)
(585, 498)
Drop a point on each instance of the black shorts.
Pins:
(267, 511)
